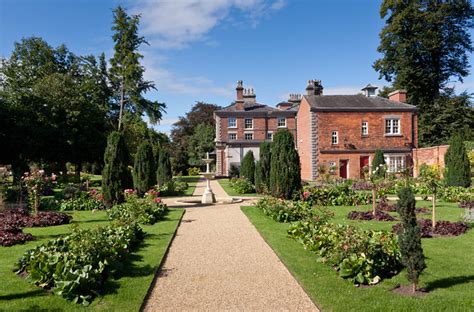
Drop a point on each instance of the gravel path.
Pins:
(218, 261)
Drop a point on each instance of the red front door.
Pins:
(364, 162)
(343, 168)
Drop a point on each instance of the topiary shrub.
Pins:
(144, 174)
(458, 170)
(115, 176)
(163, 170)
(285, 179)
(259, 185)
(378, 163)
(247, 167)
(409, 237)
(265, 161)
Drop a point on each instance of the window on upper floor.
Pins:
(334, 138)
(270, 136)
(392, 126)
(248, 136)
(281, 122)
(232, 122)
(232, 136)
(248, 123)
(365, 128)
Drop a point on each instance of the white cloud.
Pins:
(177, 23)
(174, 84)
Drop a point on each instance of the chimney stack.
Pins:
(314, 87)
(249, 96)
(239, 103)
(398, 95)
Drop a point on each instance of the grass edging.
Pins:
(160, 266)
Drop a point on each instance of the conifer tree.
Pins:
(247, 167)
(115, 176)
(377, 164)
(458, 170)
(285, 179)
(409, 237)
(259, 185)
(163, 167)
(265, 161)
(144, 172)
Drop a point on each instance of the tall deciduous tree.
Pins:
(126, 72)
(409, 237)
(200, 143)
(458, 172)
(247, 167)
(144, 170)
(285, 179)
(115, 176)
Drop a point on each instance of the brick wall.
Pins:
(305, 140)
(348, 125)
(430, 156)
(261, 125)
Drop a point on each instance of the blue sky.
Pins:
(200, 48)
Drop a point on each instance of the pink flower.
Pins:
(53, 177)
(306, 194)
(157, 200)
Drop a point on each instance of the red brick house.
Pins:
(243, 125)
(342, 132)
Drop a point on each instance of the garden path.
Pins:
(218, 261)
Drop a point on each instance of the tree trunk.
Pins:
(433, 217)
(374, 205)
(36, 203)
(413, 288)
(121, 104)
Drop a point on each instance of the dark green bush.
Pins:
(378, 164)
(163, 170)
(285, 178)
(288, 211)
(247, 167)
(336, 195)
(458, 168)
(265, 161)
(115, 176)
(242, 185)
(144, 171)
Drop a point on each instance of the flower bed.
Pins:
(11, 235)
(286, 210)
(466, 204)
(368, 215)
(443, 228)
(335, 195)
(91, 200)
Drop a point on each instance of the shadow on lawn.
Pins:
(449, 282)
(31, 293)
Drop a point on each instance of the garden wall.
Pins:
(433, 155)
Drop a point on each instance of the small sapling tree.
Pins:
(458, 169)
(430, 179)
(409, 237)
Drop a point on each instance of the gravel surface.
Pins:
(218, 261)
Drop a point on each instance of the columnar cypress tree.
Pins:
(409, 237)
(144, 173)
(378, 160)
(285, 178)
(457, 163)
(163, 170)
(265, 161)
(115, 176)
(259, 185)
(247, 167)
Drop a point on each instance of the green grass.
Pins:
(192, 182)
(449, 276)
(124, 292)
(225, 183)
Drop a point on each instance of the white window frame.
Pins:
(395, 163)
(334, 137)
(234, 134)
(229, 123)
(390, 126)
(283, 123)
(251, 123)
(245, 136)
(269, 136)
(364, 128)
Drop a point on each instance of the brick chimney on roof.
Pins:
(249, 96)
(314, 87)
(239, 103)
(398, 95)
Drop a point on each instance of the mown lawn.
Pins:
(192, 182)
(449, 276)
(124, 292)
(225, 183)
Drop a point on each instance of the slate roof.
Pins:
(355, 103)
(249, 107)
